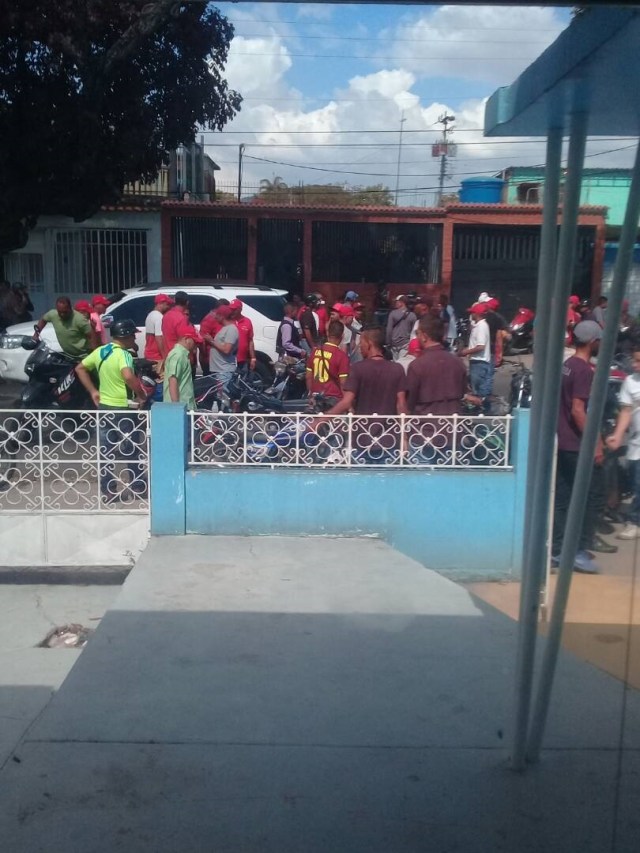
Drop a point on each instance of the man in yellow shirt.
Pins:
(119, 435)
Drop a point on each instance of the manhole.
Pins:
(72, 636)
(609, 638)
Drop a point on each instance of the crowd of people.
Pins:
(355, 365)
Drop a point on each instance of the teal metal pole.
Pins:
(532, 572)
(585, 465)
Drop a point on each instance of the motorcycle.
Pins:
(53, 382)
(290, 379)
(521, 331)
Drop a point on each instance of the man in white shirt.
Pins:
(479, 353)
(629, 419)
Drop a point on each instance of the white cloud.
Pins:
(488, 43)
(262, 69)
(315, 11)
(257, 65)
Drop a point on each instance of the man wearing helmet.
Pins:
(308, 324)
(112, 367)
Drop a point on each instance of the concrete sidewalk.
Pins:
(263, 694)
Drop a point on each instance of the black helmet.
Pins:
(311, 300)
(123, 328)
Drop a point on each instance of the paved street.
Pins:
(278, 694)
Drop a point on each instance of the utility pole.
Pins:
(240, 153)
(402, 121)
(442, 149)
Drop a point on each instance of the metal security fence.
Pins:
(81, 461)
(350, 441)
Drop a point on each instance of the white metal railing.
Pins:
(350, 441)
(80, 461)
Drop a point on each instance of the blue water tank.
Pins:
(481, 190)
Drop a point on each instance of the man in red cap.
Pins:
(155, 348)
(479, 353)
(246, 351)
(224, 347)
(414, 350)
(83, 307)
(178, 376)
(573, 318)
(174, 318)
(99, 305)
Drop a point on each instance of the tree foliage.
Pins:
(95, 94)
(324, 194)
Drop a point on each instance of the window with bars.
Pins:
(211, 248)
(99, 260)
(26, 268)
(350, 252)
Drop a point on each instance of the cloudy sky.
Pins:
(325, 88)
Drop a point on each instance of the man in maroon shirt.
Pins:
(577, 376)
(374, 386)
(328, 367)
(437, 379)
(246, 352)
(174, 319)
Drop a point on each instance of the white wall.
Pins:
(41, 241)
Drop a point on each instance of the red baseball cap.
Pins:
(574, 300)
(224, 311)
(478, 308)
(414, 347)
(235, 304)
(83, 305)
(100, 300)
(163, 297)
(493, 304)
(186, 330)
(343, 310)
(358, 306)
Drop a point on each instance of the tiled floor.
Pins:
(602, 623)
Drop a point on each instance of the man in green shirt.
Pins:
(178, 376)
(120, 435)
(75, 333)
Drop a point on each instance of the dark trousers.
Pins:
(120, 439)
(565, 477)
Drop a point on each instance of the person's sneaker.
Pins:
(630, 531)
(605, 527)
(601, 546)
(585, 565)
(614, 515)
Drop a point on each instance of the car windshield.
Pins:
(268, 304)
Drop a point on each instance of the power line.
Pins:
(398, 58)
(379, 39)
(487, 142)
(300, 23)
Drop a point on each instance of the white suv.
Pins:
(262, 305)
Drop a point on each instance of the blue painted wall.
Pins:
(466, 523)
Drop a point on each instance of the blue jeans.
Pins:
(480, 378)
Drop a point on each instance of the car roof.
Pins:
(162, 287)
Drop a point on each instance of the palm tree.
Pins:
(277, 185)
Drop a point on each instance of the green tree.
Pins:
(325, 194)
(95, 94)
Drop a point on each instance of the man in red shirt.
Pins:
(209, 328)
(173, 319)
(154, 347)
(323, 316)
(328, 367)
(246, 354)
